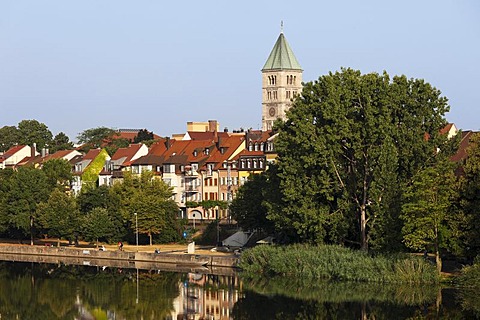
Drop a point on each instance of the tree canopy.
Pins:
(32, 131)
(96, 137)
(350, 142)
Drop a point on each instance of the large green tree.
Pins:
(60, 142)
(350, 142)
(469, 198)
(9, 136)
(249, 208)
(151, 200)
(97, 137)
(58, 172)
(427, 209)
(32, 131)
(22, 192)
(98, 224)
(104, 197)
(59, 216)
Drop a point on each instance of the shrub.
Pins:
(335, 263)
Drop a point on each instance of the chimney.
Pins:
(212, 125)
(167, 142)
(33, 150)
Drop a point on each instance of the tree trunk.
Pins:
(150, 236)
(31, 230)
(363, 228)
(96, 243)
(438, 260)
(58, 242)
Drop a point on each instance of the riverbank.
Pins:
(170, 255)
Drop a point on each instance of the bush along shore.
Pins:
(335, 263)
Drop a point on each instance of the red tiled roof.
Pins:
(127, 152)
(207, 135)
(13, 150)
(446, 129)
(462, 148)
(92, 154)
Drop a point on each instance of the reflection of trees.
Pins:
(50, 292)
(328, 291)
(296, 299)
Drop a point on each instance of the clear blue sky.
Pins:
(75, 65)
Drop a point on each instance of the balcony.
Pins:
(191, 173)
(190, 188)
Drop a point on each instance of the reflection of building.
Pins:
(207, 297)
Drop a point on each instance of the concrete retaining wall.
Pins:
(192, 260)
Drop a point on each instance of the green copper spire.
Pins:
(281, 57)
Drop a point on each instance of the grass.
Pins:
(335, 263)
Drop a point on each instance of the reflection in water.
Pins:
(288, 298)
(47, 291)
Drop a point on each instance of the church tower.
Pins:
(281, 81)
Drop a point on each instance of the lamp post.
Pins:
(136, 229)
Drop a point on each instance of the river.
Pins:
(59, 291)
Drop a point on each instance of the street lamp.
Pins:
(136, 228)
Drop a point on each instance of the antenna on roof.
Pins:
(281, 26)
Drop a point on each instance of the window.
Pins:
(207, 151)
(195, 153)
(167, 168)
(275, 95)
(250, 147)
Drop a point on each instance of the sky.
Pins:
(156, 65)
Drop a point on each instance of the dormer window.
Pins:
(195, 153)
(207, 151)
(222, 150)
(250, 147)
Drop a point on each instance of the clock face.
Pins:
(271, 112)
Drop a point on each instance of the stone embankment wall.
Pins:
(179, 259)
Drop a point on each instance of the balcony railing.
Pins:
(190, 188)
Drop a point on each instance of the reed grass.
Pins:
(335, 263)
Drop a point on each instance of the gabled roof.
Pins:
(228, 146)
(462, 148)
(281, 57)
(92, 154)
(127, 152)
(13, 150)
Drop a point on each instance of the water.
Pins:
(57, 291)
